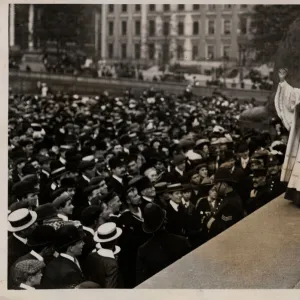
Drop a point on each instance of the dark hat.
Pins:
(63, 198)
(85, 165)
(45, 212)
(161, 187)
(88, 190)
(42, 236)
(225, 175)
(187, 187)
(116, 161)
(154, 217)
(242, 147)
(57, 168)
(28, 169)
(23, 188)
(88, 285)
(68, 183)
(204, 189)
(27, 268)
(68, 235)
(96, 180)
(228, 155)
(143, 183)
(178, 159)
(259, 172)
(31, 178)
(20, 159)
(273, 161)
(90, 214)
(175, 187)
(18, 205)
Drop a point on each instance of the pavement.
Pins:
(260, 252)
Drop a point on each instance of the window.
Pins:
(124, 7)
(166, 28)
(243, 25)
(151, 27)
(110, 8)
(211, 7)
(124, 27)
(124, 50)
(180, 7)
(180, 28)
(226, 51)
(110, 50)
(227, 6)
(166, 7)
(152, 7)
(111, 28)
(137, 51)
(227, 27)
(196, 6)
(195, 52)
(195, 27)
(138, 7)
(151, 51)
(179, 52)
(210, 52)
(211, 27)
(137, 27)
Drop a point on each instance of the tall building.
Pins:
(173, 32)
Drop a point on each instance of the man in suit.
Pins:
(162, 248)
(40, 241)
(176, 217)
(242, 151)
(117, 182)
(89, 219)
(101, 266)
(177, 174)
(65, 270)
(21, 224)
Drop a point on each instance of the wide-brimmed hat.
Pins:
(68, 235)
(160, 187)
(154, 217)
(21, 219)
(174, 187)
(107, 232)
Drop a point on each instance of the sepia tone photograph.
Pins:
(153, 146)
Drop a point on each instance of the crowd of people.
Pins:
(105, 192)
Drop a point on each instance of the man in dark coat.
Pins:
(65, 271)
(162, 249)
(101, 266)
(229, 208)
(177, 174)
(21, 223)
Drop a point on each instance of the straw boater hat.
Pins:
(21, 219)
(107, 232)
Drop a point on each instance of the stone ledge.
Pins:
(260, 252)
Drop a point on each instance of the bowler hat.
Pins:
(63, 198)
(225, 175)
(178, 159)
(21, 219)
(154, 217)
(68, 235)
(143, 183)
(46, 211)
(90, 214)
(43, 235)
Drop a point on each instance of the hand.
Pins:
(282, 74)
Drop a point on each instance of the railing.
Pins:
(26, 82)
(259, 252)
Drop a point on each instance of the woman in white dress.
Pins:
(287, 103)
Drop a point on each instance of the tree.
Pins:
(269, 26)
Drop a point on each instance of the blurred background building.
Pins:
(161, 33)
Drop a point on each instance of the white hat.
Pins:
(21, 219)
(107, 232)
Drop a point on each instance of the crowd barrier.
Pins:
(25, 82)
(259, 252)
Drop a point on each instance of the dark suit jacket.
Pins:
(89, 245)
(115, 186)
(61, 273)
(15, 249)
(161, 250)
(102, 270)
(176, 221)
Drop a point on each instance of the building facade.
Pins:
(173, 32)
(160, 33)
